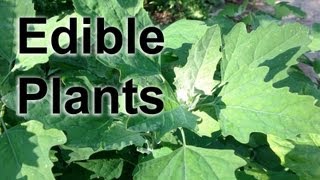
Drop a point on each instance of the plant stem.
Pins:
(6, 133)
(5, 78)
(183, 137)
(2, 111)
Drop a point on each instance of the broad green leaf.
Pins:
(180, 33)
(179, 38)
(170, 140)
(146, 72)
(76, 154)
(301, 155)
(107, 169)
(315, 36)
(249, 104)
(103, 137)
(27, 61)
(96, 132)
(157, 153)
(266, 44)
(137, 65)
(143, 20)
(207, 124)
(196, 77)
(190, 162)
(169, 99)
(164, 122)
(78, 65)
(283, 9)
(114, 11)
(10, 11)
(25, 151)
(261, 20)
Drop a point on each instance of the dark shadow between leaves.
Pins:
(296, 80)
(172, 58)
(278, 63)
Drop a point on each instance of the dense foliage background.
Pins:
(240, 83)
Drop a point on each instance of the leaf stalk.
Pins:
(183, 136)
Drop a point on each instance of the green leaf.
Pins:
(79, 64)
(114, 11)
(196, 77)
(207, 124)
(107, 169)
(301, 155)
(250, 104)
(179, 38)
(101, 137)
(299, 83)
(157, 153)
(25, 151)
(315, 36)
(96, 132)
(146, 72)
(168, 97)
(10, 12)
(76, 154)
(283, 9)
(137, 65)
(142, 20)
(180, 33)
(264, 20)
(163, 123)
(27, 61)
(190, 162)
(266, 44)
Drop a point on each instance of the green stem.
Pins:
(3, 107)
(3, 126)
(183, 137)
(5, 78)
(2, 112)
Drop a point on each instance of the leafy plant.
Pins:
(236, 104)
(165, 12)
(51, 8)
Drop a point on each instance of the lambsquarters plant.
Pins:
(235, 104)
